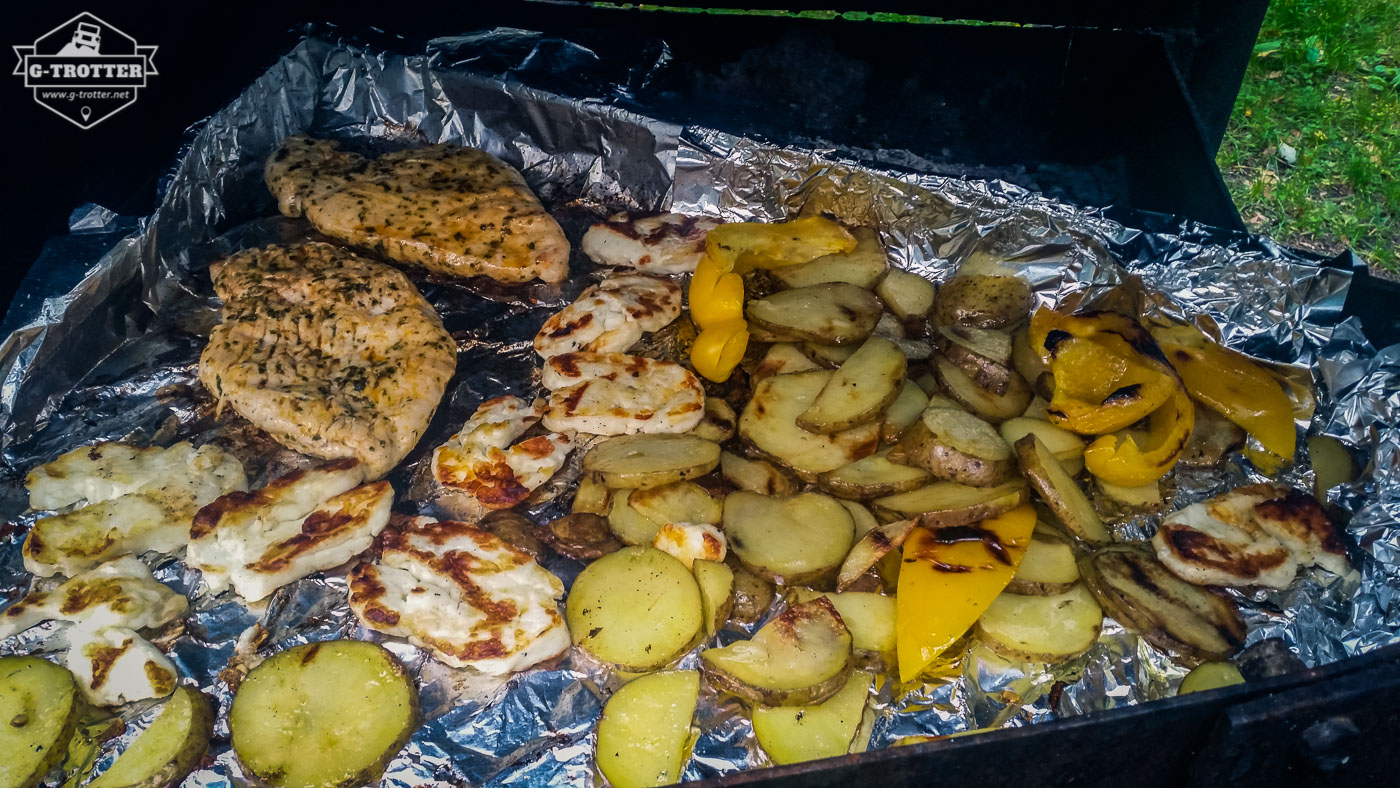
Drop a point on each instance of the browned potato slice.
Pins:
(769, 424)
(1060, 492)
(1186, 621)
(716, 583)
(719, 422)
(863, 266)
(1048, 567)
(1212, 437)
(592, 496)
(802, 656)
(788, 540)
(928, 383)
(651, 460)
(1147, 498)
(832, 314)
(859, 391)
(827, 356)
(995, 408)
(760, 333)
(678, 502)
(758, 476)
(943, 504)
(1051, 628)
(581, 536)
(984, 354)
(872, 477)
(752, 594)
(870, 549)
(516, 530)
(904, 411)
(907, 295)
(982, 301)
(958, 446)
(782, 358)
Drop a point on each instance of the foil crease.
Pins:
(109, 350)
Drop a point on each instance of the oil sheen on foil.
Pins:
(108, 350)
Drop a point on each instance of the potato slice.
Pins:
(716, 583)
(1042, 628)
(781, 359)
(827, 356)
(758, 476)
(865, 522)
(603, 608)
(959, 345)
(793, 734)
(928, 383)
(752, 594)
(293, 722)
(1332, 463)
(592, 496)
(677, 502)
(943, 504)
(803, 656)
(906, 294)
(982, 301)
(863, 266)
(1188, 622)
(995, 408)
(719, 422)
(873, 546)
(769, 424)
(167, 750)
(1209, 676)
(990, 345)
(872, 477)
(40, 708)
(1067, 447)
(831, 314)
(629, 525)
(1027, 363)
(645, 729)
(1060, 492)
(651, 460)
(788, 540)
(869, 616)
(1049, 567)
(580, 536)
(1143, 498)
(958, 446)
(905, 410)
(859, 391)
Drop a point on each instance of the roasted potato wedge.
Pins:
(788, 540)
(801, 657)
(293, 723)
(1067, 447)
(758, 476)
(752, 594)
(859, 391)
(863, 266)
(1188, 622)
(1042, 628)
(719, 422)
(645, 729)
(995, 408)
(928, 383)
(869, 616)
(716, 583)
(602, 609)
(592, 496)
(982, 354)
(40, 707)
(677, 502)
(864, 521)
(580, 536)
(782, 358)
(769, 424)
(793, 734)
(829, 314)
(827, 356)
(1144, 498)
(1049, 566)
(651, 460)
(957, 446)
(627, 524)
(982, 301)
(905, 410)
(1060, 492)
(906, 294)
(873, 546)
(168, 750)
(943, 504)
(872, 477)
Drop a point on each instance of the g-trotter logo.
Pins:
(85, 69)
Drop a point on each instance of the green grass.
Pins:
(1324, 81)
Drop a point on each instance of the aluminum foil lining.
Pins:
(105, 347)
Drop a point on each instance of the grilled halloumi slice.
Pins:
(611, 316)
(114, 665)
(1257, 535)
(462, 593)
(618, 394)
(151, 495)
(119, 593)
(663, 243)
(478, 470)
(307, 521)
(691, 542)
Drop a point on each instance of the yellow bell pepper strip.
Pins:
(719, 348)
(948, 579)
(1132, 460)
(716, 296)
(1237, 388)
(744, 246)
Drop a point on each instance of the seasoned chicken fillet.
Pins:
(332, 354)
(454, 210)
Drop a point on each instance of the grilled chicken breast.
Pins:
(119, 593)
(305, 522)
(611, 316)
(618, 394)
(114, 665)
(462, 593)
(332, 354)
(134, 500)
(453, 210)
(663, 243)
(478, 470)
(1257, 535)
